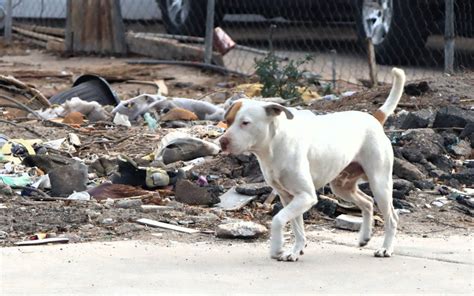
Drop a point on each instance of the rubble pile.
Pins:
(84, 169)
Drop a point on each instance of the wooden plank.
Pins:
(44, 241)
(35, 35)
(154, 223)
(118, 28)
(57, 32)
(167, 49)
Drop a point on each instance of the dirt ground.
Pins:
(90, 221)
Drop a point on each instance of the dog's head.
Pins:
(250, 125)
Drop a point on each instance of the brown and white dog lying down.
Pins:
(300, 152)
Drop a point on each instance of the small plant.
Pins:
(278, 79)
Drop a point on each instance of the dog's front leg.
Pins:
(292, 212)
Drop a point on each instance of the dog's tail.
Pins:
(393, 98)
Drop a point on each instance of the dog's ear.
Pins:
(276, 109)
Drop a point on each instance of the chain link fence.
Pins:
(414, 34)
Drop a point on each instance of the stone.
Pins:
(233, 200)
(461, 148)
(443, 163)
(468, 133)
(191, 194)
(416, 89)
(417, 119)
(452, 116)
(466, 176)
(254, 189)
(348, 222)
(428, 142)
(406, 170)
(128, 203)
(402, 204)
(3, 235)
(411, 154)
(5, 190)
(328, 206)
(240, 229)
(424, 184)
(67, 179)
(401, 188)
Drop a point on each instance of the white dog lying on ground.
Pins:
(300, 152)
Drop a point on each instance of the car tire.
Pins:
(399, 31)
(185, 17)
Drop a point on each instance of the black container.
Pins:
(90, 88)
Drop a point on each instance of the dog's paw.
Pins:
(276, 255)
(363, 241)
(290, 256)
(383, 252)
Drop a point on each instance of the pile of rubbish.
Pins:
(112, 166)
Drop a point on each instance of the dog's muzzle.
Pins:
(225, 142)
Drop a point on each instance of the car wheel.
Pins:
(397, 29)
(185, 17)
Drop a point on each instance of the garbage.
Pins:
(240, 229)
(234, 201)
(222, 42)
(117, 191)
(121, 119)
(192, 194)
(348, 222)
(74, 118)
(156, 177)
(93, 111)
(179, 114)
(90, 88)
(153, 223)
(185, 148)
(84, 195)
(16, 181)
(150, 121)
(38, 240)
(67, 179)
(417, 89)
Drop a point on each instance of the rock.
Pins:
(254, 189)
(328, 206)
(465, 176)
(440, 202)
(5, 190)
(128, 203)
(424, 184)
(48, 163)
(67, 179)
(462, 148)
(468, 133)
(103, 166)
(402, 204)
(128, 228)
(233, 201)
(411, 154)
(452, 116)
(277, 207)
(3, 235)
(401, 188)
(418, 119)
(443, 163)
(348, 222)
(240, 229)
(191, 194)
(406, 170)
(108, 221)
(416, 89)
(429, 143)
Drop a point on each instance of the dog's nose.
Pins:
(224, 143)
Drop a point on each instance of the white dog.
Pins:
(300, 152)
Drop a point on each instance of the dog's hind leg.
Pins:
(350, 192)
(381, 186)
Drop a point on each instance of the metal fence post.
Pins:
(209, 31)
(449, 36)
(8, 22)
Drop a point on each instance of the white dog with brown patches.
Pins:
(300, 152)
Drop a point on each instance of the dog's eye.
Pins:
(245, 123)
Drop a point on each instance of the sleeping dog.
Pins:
(300, 152)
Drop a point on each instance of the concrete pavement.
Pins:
(331, 265)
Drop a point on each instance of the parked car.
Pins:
(399, 28)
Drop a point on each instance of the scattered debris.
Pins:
(153, 223)
(232, 200)
(240, 229)
(348, 222)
